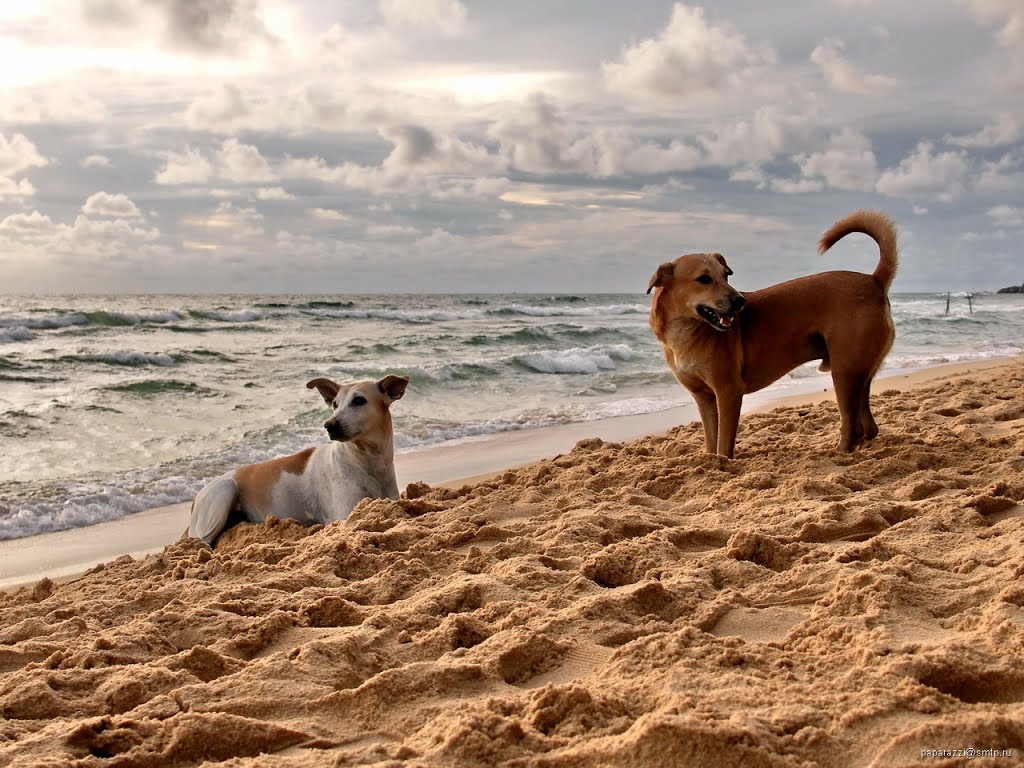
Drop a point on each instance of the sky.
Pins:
(412, 146)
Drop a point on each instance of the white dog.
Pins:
(316, 485)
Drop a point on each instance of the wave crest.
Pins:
(577, 359)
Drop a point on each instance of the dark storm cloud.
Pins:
(210, 26)
(413, 144)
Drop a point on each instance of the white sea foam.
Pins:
(577, 359)
(431, 434)
(396, 315)
(235, 315)
(95, 503)
(110, 317)
(17, 333)
(129, 358)
(45, 323)
(594, 311)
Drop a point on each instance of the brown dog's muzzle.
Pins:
(721, 318)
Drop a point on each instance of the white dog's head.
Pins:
(362, 408)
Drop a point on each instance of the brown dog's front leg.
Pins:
(729, 405)
(707, 407)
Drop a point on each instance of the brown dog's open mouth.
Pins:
(717, 320)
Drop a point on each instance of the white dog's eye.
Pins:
(358, 400)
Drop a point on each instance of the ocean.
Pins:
(110, 405)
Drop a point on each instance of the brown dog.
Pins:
(722, 344)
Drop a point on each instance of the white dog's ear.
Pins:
(328, 389)
(721, 260)
(392, 387)
(663, 276)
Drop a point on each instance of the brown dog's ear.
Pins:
(721, 260)
(392, 387)
(663, 276)
(328, 389)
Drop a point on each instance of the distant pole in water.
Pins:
(947, 302)
(969, 304)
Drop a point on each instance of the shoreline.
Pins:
(66, 555)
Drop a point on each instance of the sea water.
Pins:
(110, 405)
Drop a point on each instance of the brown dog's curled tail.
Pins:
(877, 226)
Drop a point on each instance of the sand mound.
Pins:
(629, 605)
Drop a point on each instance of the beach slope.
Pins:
(636, 604)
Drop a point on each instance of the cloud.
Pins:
(847, 162)
(12, 188)
(85, 242)
(772, 130)
(420, 162)
(243, 163)
(689, 56)
(448, 16)
(213, 24)
(541, 139)
(1007, 13)
(328, 214)
(390, 231)
(300, 109)
(616, 153)
(95, 161)
(925, 173)
(233, 162)
(538, 139)
(273, 193)
(414, 144)
(224, 109)
(207, 26)
(1003, 130)
(796, 186)
(672, 186)
(842, 75)
(367, 104)
(18, 154)
(115, 13)
(59, 103)
(109, 237)
(26, 223)
(228, 222)
(416, 147)
(188, 167)
(1004, 175)
(1006, 216)
(118, 206)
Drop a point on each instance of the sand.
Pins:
(63, 555)
(623, 604)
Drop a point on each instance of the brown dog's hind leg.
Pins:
(851, 394)
(867, 421)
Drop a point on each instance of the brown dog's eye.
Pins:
(358, 400)
(705, 280)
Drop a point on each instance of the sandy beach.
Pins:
(630, 602)
(67, 554)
